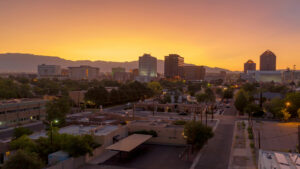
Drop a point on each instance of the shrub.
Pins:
(179, 122)
(197, 134)
(252, 145)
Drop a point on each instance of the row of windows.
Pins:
(37, 117)
(21, 110)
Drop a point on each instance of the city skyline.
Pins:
(204, 33)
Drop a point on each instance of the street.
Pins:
(216, 154)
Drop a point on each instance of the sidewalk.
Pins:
(241, 156)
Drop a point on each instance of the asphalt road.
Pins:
(216, 154)
(7, 133)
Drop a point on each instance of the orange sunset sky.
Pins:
(221, 33)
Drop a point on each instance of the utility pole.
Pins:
(212, 112)
(258, 139)
(133, 111)
(206, 116)
(153, 108)
(298, 138)
(201, 111)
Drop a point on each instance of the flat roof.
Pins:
(78, 130)
(129, 143)
(280, 160)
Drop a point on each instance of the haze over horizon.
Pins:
(215, 33)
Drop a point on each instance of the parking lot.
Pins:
(277, 136)
(150, 157)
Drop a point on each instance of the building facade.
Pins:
(268, 61)
(83, 73)
(20, 111)
(48, 71)
(174, 66)
(147, 67)
(249, 65)
(194, 73)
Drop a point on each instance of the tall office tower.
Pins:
(249, 65)
(174, 66)
(268, 61)
(147, 66)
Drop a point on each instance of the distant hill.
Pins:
(19, 62)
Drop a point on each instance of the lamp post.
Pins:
(51, 128)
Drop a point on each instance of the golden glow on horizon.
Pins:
(204, 33)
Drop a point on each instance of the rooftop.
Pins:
(79, 130)
(278, 160)
(14, 102)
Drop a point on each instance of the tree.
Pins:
(57, 109)
(155, 87)
(286, 114)
(241, 100)
(193, 88)
(20, 131)
(166, 99)
(210, 94)
(275, 106)
(253, 109)
(97, 95)
(197, 134)
(294, 100)
(202, 97)
(249, 87)
(114, 97)
(228, 93)
(75, 145)
(206, 97)
(219, 92)
(24, 143)
(24, 160)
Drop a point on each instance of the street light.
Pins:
(288, 104)
(51, 128)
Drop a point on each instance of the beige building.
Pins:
(20, 111)
(83, 73)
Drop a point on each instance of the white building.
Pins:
(48, 71)
(83, 73)
(278, 160)
(147, 68)
(263, 76)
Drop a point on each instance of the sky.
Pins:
(217, 33)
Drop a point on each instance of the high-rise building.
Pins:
(117, 69)
(193, 73)
(83, 73)
(147, 66)
(249, 65)
(268, 61)
(174, 66)
(134, 73)
(45, 71)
